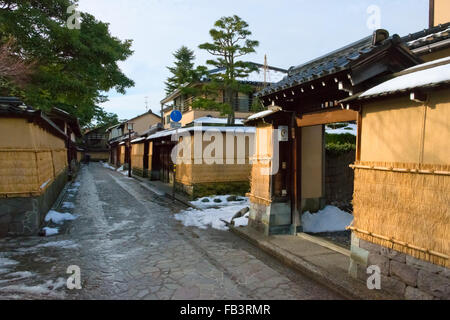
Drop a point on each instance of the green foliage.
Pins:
(257, 106)
(183, 72)
(340, 138)
(338, 148)
(229, 43)
(339, 143)
(73, 67)
(221, 188)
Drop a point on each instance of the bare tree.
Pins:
(12, 66)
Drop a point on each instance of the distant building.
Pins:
(119, 136)
(95, 144)
(243, 102)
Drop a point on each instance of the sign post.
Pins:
(176, 117)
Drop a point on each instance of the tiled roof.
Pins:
(331, 63)
(427, 36)
(426, 75)
(11, 104)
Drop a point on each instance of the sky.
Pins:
(290, 32)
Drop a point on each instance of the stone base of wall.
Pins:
(271, 219)
(401, 274)
(24, 216)
(144, 173)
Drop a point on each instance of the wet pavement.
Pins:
(128, 245)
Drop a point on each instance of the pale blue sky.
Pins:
(290, 32)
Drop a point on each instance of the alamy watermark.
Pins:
(226, 146)
(74, 281)
(73, 22)
(374, 19)
(374, 280)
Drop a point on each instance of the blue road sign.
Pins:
(176, 116)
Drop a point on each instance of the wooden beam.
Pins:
(327, 117)
(431, 14)
(358, 136)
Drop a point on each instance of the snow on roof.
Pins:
(262, 114)
(138, 140)
(166, 133)
(427, 74)
(272, 76)
(211, 120)
(429, 37)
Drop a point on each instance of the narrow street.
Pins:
(128, 246)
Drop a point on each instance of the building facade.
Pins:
(34, 153)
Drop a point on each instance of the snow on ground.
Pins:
(59, 218)
(211, 214)
(48, 288)
(64, 244)
(76, 184)
(108, 166)
(16, 276)
(241, 222)
(51, 231)
(68, 205)
(330, 219)
(122, 171)
(5, 262)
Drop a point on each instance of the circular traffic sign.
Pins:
(176, 116)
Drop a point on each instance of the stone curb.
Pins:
(341, 284)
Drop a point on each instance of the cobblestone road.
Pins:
(129, 246)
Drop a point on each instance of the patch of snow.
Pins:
(45, 184)
(77, 184)
(4, 262)
(261, 114)
(68, 205)
(209, 217)
(330, 219)
(108, 166)
(48, 288)
(73, 190)
(59, 218)
(16, 276)
(51, 231)
(212, 120)
(433, 75)
(20, 274)
(233, 129)
(64, 244)
(241, 222)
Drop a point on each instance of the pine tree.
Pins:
(183, 71)
(230, 42)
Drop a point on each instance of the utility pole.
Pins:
(130, 129)
(265, 70)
